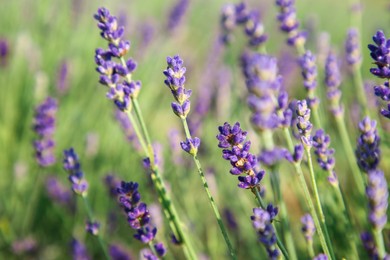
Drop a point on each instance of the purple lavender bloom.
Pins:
(352, 48)
(58, 192)
(320, 257)
(231, 16)
(23, 246)
(303, 124)
(191, 145)
(177, 14)
(378, 197)
(44, 126)
(175, 80)
(308, 227)
(128, 195)
(146, 234)
(309, 73)
(367, 152)
(4, 52)
(148, 255)
(383, 91)
(116, 76)
(138, 216)
(325, 154)
(63, 77)
(289, 23)
(254, 29)
(92, 227)
(380, 54)
(76, 177)
(237, 152)
(261, 221)
(118, 253)
(271, 157)
(297, 156)
(160, 249)
(79, 251)
(369, 245)
(333, 81)
(230, 219)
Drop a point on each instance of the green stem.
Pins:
(91, 219)
(358, 177)
(379, 243)
(264, 207)
(318, 201)
(210, 197)
(137, 131)
(152, 248)
(358, 82)
(310, 250)
(316, 117)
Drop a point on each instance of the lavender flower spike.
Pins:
(76, 177)
(309, 73)
(304, 125)
(352, 48)
(333, 81)
(308, 227)
(380, 54)
(44, 126)
(177, 14)
(261, 221)
(378, 197)
(367, 152)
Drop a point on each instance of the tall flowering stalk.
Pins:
(175, 80)
(138, 217)
(333, 82)
(124, 92)
(72, 165)
(236, 151)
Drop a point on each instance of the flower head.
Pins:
(379, 52)
(72, 165)
(378, 199)
(308, 227)
(191, 145)
(352, 47)
(304, 125)
(177, 13)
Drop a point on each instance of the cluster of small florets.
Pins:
(59, 192)
(72, 165)
(303, 123)
(138, 215)
(238, 14)
(289, 23)
(44, 126)
(352, 48)
(378, 199)
(262, 223)
(308, 228)
(236, 150)
(116, 76)
(309, 72)
(367, 151)
(268, 104)
(380, 53)
(333, 81)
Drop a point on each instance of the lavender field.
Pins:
(188, 129)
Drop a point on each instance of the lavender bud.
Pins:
(378, 196)
(191, 145)
(92, 227)
(379, 53)
(76, 177)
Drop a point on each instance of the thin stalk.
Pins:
(152, 248)
(91, 218)
(32, 201)
(307, 196)
(137, 131)
(379, 243)
(358, 177)
(316, 117)
(359, 86)
(310, 250)
(318, 201)
(263, 206)
(210, 197)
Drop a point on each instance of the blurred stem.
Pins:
(91, 219)
(307, 196)
(316, 117)
(318, 201)
(359, 86)
(264, 207)
(358, 177)
(310, 250)
(379, 243)
(211, 199)
(137, 131)
(152, 248)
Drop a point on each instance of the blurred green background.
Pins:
(43, 34)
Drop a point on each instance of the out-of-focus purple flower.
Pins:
(261, 221)
(325, 154)
(44, 126)
(321, 257)
(236, 150)
(62, 83)
(380, 54)
(116, 252)
(289, 23)
(369, 245)
(160, 249)
(378, 199)
(76, 177)
(79, 251)
(175, 80)
(308, 227)
(309, 73)
(116, 76)
(254, 29)
(147, 254)
(177, 14)
(111, 182)
(303, 124)
(230, 219)
(23, 246)
(352, 47)
(231, 16)
(367, 152)
(333, 81)
(271, 157)
(4, 52)
(297, 155)
(58, 192)
(92, 227)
